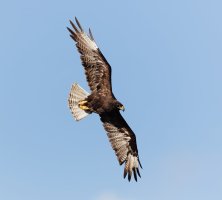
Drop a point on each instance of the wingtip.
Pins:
(134, 174)
(70, 21)
(124, 174)
(91, 35)
(129, 176)
(74, 26)
(138, 172)
(140, 163)
(72, 34)
(79, 25)
(132, 169)
(70, 30)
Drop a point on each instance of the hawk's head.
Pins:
(119, 106)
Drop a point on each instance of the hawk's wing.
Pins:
(123, 142)
(97, 69)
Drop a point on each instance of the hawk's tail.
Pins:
(77, 94)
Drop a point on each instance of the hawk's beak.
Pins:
(122, 108)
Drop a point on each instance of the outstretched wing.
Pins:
(97, 69)
(123, 142)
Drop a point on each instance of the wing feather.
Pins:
(91, 35)
(97, 69)
(123, 142)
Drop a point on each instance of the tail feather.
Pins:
(76, 94)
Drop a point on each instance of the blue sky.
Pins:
(167, 71)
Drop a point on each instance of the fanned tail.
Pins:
(77, 94)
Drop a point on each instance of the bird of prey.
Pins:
(102, 101)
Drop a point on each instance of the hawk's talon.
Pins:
(82, 105)
(82, 102)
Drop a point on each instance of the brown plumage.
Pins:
(102, 101)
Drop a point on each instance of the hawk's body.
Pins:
(102, 101)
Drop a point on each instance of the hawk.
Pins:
(102, 101)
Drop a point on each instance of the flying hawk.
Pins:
(102, 101)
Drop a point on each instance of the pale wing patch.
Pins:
(90, 42)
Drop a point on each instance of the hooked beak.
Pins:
(122, 108)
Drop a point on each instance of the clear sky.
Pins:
(166, 58)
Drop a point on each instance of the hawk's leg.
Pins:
(83, 105)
